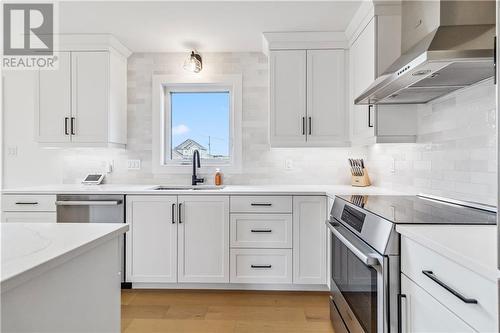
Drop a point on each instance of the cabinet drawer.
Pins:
(261, 266)
(417, 259)
(261, 230)
(29, 217)
(29, 203)
(261, 204)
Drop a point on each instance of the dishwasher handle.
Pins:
(88, 202)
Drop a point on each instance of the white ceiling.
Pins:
(207, 26)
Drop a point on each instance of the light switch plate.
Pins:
(288, 164)
(134, 164)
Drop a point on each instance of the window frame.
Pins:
(163, 85)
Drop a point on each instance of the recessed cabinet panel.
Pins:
(309, 240)
(54, 102)
(326, 116)
(288, 98)
(90, 85)
(152, 239)
(203, 238)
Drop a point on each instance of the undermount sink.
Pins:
(187, 188)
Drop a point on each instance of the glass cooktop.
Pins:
(421, 210)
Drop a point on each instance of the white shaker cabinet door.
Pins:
(327, 123)
(152, 239)
(423, 313)
(203, 239)
(363, 72)
(90, 102)
(53, 114)
(309, 240)
(288, 98)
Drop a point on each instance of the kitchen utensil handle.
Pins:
(73, 126)
(455, 293)
(303, 125)
(179, 213)
(261, 204)
(173, 213)
(310, 125)
(261, 266)
(261, 230)
(370, 108)
(66, 125)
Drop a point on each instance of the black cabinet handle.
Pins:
(27, 203)
(261, 266)
(400, 312)
(73, 126)
(310, 125)
(370, 108)
(261, 230)
(455, 293)
(263, 204)
(303, 125)
(495, 59)
(66, 126)
(173, 213)
(179, 213)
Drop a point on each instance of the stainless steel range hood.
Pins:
(449, 58)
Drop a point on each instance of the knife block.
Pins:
(361, 181)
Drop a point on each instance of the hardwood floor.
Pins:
(197, 311)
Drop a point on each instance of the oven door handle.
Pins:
(88, 202)
(366, 258)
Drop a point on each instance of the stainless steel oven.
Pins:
(364, 281)
(94, 208)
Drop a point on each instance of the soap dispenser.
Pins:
(218, 177)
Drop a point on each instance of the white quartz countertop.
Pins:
(28, 249)
(330, 190)
(472, 246)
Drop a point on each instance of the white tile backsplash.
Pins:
(455, 155)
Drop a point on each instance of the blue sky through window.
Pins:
(202, 117)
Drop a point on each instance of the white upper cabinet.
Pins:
(374, 46)
(84, 101)
(288, 98)
(90, 91)
(326, 116)
(203, 239)
(308, 98)
(54, 102)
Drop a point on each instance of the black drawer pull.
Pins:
(173, 213)
(26, 203)
(261, 230)
(261, 266)
(464, 299)
(262, 204)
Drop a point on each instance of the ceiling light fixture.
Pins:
(193, 63)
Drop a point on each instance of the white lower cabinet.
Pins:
(178, 239)
(261, 266)
(203, 239)
(421, 312)
(152, 239)
(309, 240)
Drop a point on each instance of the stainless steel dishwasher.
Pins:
(94, 208)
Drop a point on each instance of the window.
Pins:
(190, 113)
(200, 121)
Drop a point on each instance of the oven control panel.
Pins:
(353, 217)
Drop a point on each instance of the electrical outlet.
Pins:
(134, 164)
(288, 164)
(393, 165)
(12, 151)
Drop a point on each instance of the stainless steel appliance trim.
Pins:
(468, 204)
(88, 202)
(337, 322)
(354, 245)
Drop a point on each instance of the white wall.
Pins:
(455, 155)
